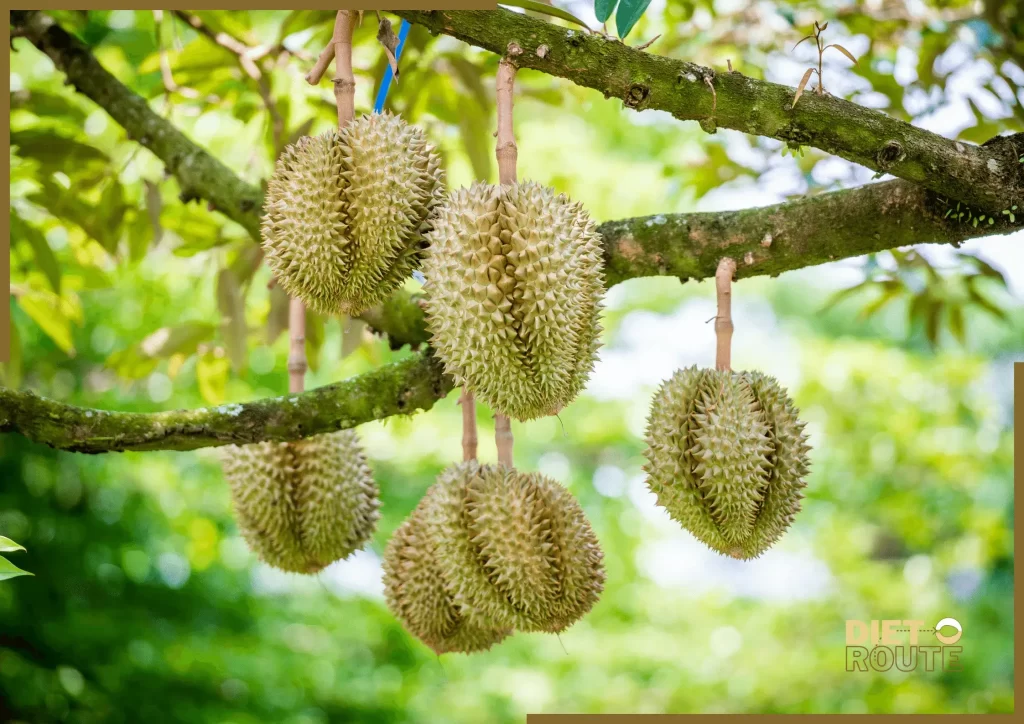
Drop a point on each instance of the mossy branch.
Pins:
(987, 177)
(764, 241)
(399, 388)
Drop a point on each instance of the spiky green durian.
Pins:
(345, 213)
(514, 549)
(726, 457)
(303, 505)
(417, 595)
(514, 284)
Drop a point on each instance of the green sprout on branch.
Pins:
(816, 35)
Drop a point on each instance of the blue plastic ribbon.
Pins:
(385, 84)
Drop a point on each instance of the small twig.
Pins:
(323, 61)
(723, 321)
(648, 44)
(468, 403)
(714, 95)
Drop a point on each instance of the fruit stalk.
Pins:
(297, 345)
(344, 81)
(340, 48)
(723, 320)
(468, 403)
(507, 155)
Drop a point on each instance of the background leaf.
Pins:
(627, 15)
(603, 9)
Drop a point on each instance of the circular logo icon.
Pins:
(951, 623)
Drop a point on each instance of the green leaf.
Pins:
(931, 323)
(539, 7)
(979, 300)
(476, 141)
(9, 546)
(55, 152)
(956, 323)
(212, 375)
(844, 293)
(139, 360)
(12, 367)
(891, 291)
(9, 570)
(111, 215)
(48, 105)
(67, 206)
(46, 310)
(44, 255)
(277, 318)
(603, 9)
(314, 339)
(629, 12)
(231, 303)
(140, 235)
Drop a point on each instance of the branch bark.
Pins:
(988, 177)
(400, 388)
(764, 241)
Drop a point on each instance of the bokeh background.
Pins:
(146, 604)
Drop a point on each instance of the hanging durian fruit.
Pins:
(514, 285)
(418, 596)
(345, 212)
(726, 451)
(515, 549)
(303, 505)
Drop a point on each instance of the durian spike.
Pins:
(468, 403)
(723, 321)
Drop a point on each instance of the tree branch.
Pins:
(988, 177)
(764, 241)
(400, 388)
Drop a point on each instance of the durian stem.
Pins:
(297, 346)
(503, 439)
(468, 403)
(723, 321)
(507, 155)
(505, 148)
(344, 81)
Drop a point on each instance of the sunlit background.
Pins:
(147, 605)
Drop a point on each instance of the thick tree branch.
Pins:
(987, 177)
(400, 388)
(768, 240)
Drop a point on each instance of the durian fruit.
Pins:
(345, 212)
(514, 283)
(514, 549)
(303, 505)
(417, 595)
(726, 457)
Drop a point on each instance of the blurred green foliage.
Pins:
(146, 605)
